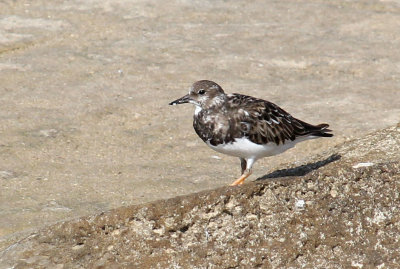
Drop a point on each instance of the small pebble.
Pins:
(78, 247)
(334, 193)
(6, 174)
(300, 204)
(362, 165)
(48, 133)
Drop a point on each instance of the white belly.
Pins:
(244, 148)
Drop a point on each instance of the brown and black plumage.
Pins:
(245, 126)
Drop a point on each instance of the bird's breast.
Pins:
(212, 128)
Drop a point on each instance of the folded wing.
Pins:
(264, 122)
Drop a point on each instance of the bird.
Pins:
(244, 126)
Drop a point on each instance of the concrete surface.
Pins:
(84, 121)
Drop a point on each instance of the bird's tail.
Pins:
(317, 130)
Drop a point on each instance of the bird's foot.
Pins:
(241, 179)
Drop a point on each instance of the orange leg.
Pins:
(241, 179)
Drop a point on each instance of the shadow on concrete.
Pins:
(300, 170)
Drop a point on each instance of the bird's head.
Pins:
(204, 94)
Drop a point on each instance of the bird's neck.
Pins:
(216, 102)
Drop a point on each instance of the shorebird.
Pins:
(243, 126)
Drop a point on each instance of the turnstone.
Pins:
(245, 126)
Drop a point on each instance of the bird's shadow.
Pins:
(300, 170)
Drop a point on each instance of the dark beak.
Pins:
(182, 100)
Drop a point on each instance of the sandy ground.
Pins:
(84, 120)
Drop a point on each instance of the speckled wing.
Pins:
(264, 122)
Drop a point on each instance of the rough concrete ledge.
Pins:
(341, 210)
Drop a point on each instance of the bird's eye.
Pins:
(201, 91)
